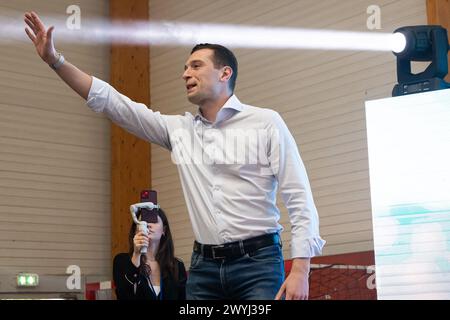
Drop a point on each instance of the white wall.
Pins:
(320, 95)
(54, 156)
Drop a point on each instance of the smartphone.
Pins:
(151, 216)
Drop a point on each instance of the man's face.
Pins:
(203, 80)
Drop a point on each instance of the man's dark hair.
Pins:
(222, 57)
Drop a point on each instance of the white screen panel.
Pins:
(409, 166)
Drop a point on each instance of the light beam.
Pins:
(167, 33)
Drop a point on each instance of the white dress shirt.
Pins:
(230, 170)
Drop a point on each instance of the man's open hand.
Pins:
(42, 38)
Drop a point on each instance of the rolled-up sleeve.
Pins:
(293, 183)
(134, 117)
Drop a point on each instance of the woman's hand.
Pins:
(140, 240)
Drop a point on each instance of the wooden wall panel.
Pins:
(438, 12)
(54, 157)
(130, 156)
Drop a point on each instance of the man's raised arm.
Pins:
(42, 39)
(132, 116)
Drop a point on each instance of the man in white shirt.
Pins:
(232, 158)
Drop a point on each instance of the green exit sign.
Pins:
(27, 280)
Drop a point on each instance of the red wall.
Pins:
(343, 281)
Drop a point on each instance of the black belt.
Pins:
(236, 249)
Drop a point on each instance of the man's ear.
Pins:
(227, 72)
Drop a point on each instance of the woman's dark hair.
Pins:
(165, 255)
(222, 57)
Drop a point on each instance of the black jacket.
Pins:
(130, 285)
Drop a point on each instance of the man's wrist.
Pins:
(58, 62)
(52, 58)
(301, 265)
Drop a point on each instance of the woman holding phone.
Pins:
(156, 274)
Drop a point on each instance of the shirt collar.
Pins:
(231, 107)
(233, 103)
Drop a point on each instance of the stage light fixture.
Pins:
(421, 43)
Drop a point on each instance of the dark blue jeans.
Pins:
(255, 276)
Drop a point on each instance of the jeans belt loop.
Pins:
(241, 247)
